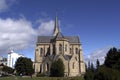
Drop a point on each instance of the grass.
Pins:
(41, 78)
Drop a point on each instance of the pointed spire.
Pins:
(56, 28)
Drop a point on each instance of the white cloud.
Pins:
(5, 4)
(16, 34)
(46, 27)
(97, 54)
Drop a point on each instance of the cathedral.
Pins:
(51, 48)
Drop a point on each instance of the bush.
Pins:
(40, 75)
(57, 69)
(107, 74)
(8, 69)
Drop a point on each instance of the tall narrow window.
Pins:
(70, 51)
(41, 51)
(73, 65)
(60, 48)
(34, 66)
(54, 50)
(47, 67)
(76, 50)
(66, 47)
(41, 68)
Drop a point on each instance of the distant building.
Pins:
(12, 57)
(3, 61)
(68, 48)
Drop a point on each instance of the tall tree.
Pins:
(92, 67)
(57, 69)
(112, 59)
(86, 67)
(89, 66)
(110, 70)
(97, 64)
(24, 66)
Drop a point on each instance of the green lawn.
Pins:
(40, 78)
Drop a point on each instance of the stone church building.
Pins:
(50, 48)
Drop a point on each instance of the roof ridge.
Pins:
(45, 36)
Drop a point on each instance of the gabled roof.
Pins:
(73, 39)
(44, 39)
(59, 34)
(47, 39)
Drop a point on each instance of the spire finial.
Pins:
(56, 28)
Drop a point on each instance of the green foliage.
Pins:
(89, 65)
(97, 64)
(57, 69)
(110, 70)
(92, 68)
(112, 59)
(40, 75)
(24, 66)
(8, 69)
(105, 73)
(90, 72)
(89, 75)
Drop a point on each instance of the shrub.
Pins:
(57, 69)
(40, 75)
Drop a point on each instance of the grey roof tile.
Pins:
(73, 39)
(59, 34)
(47, 39)
(44, 39)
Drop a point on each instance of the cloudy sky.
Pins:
(97, 22)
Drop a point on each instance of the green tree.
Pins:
(89, 66)
(112, 59)
(89, 75)
(24, 66)
(86, 67)
(97, 64)
(57, 69)
(105, 73)
(92, 67)
(8, 69)
(117, 65)
(110, 70)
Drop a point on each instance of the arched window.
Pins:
(34, 67)
(54, 50)
(41, 68)
(70, 51)
(47, 67)
(41, 51)
(73, 65)
(66, 47)
(76, 50)
(60, 48)
(76, 58)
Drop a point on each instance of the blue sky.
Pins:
(97, 22)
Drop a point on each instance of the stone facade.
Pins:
(50, 48)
